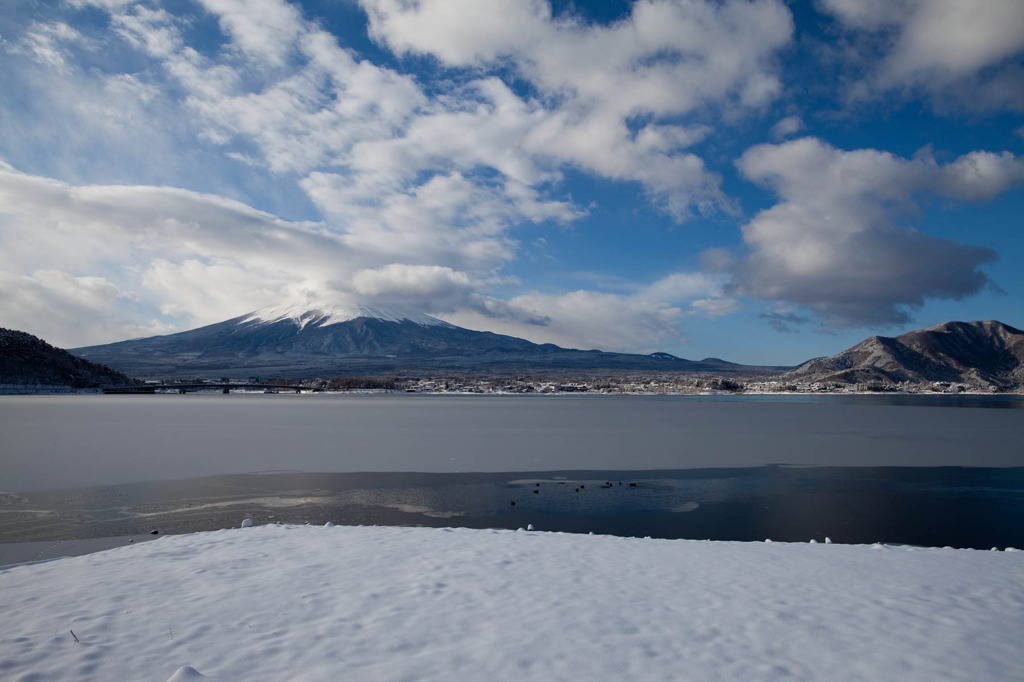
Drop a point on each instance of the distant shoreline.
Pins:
(641, 388)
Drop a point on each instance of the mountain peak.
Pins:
(319, 313)
(986, 326)
(309, 339)
(984, 354)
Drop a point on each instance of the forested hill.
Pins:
(26, 359)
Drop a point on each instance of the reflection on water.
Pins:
(935, 506)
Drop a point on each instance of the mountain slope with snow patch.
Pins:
(323, 340)
(979, 354)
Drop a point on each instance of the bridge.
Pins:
(191, 388)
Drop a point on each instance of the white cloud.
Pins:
(106, 123)
(958, 48)
(665, 58)
(446, 220)
(459, 32)
(835, 242)
(199, 257)
(716, 307)
(412, 287)
(107, 252)
(259, 29)
(396, 173)
(114, 250)
(78, 226)
(280, 81)
(643, 321)
(213, 290)
(682, 286)
(46, 43)
(786, 127)
(664, 61)
(68, 311)
(578, 319)
(422, 187)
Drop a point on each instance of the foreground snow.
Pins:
(312, 603)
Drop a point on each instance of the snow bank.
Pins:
(355, 603)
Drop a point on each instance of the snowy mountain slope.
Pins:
(320, 314)
(325, 340)
(977, 353)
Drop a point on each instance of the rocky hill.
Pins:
(28, 360)
(979, 354)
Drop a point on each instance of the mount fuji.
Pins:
(307, 340)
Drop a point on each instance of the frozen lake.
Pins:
(52, 442)
(924, 470)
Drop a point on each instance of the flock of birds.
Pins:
(581, 486)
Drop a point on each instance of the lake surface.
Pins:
(930, 470)
(51, 442)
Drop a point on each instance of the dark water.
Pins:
(934, 506)
(918, 470)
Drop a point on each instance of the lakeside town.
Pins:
(626, 384)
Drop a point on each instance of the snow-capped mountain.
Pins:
(305, 340)
(320, 314)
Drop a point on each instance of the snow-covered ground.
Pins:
(379, 603)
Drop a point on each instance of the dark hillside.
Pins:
(26, 359)
(981, 354)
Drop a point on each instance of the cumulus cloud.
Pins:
(787, 127)
(68, 311)
(616, 92)
(199, 259)
(261, 30)
(579, 319)
(642, 321)
(448, 219)
(310, 106)
(204, 291)
(281, 82)
(433, 180)
(666, 57)
(416, 188)
(837, 243)
(965, 49)
(419, 185)
(413, 287)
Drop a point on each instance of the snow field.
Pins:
(384, 603)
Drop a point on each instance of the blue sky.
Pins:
(762, 181)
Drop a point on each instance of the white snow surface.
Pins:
(385, 603)
(323, 313)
